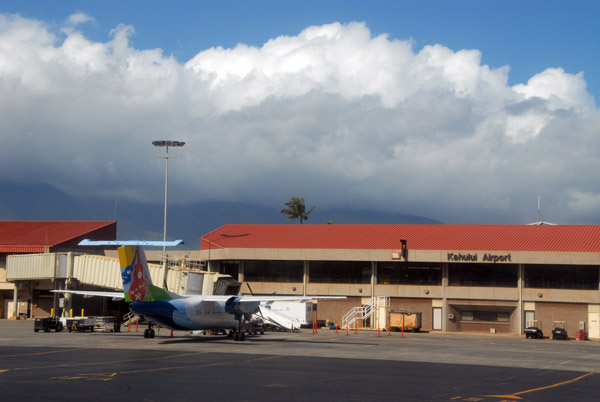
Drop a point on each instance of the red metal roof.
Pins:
(563, 238)
(34, 236)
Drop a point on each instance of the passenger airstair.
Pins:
(376, 309)
(130, 318)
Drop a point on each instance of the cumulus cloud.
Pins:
(334, 114)
(79, 18)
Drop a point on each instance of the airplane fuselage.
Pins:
(194, 313)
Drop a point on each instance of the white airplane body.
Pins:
(177, 312)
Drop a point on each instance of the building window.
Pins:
(488, 316)
(340, 272)
(491, 275)
(274, 271)
(580, 277)
(409, 273)
(231, 268)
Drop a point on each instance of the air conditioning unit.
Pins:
(450, 316)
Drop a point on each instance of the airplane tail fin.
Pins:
(137, 283)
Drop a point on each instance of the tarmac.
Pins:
(304, 366)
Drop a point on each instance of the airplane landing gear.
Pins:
(240, 335)
(149, 332)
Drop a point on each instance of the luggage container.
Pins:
(405, 321)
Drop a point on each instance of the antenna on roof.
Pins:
(540, 221)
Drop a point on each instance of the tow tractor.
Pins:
(560, 330)
(48, 323)
(533, 330)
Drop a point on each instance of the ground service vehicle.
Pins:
(560, 330)
(255, 326)
(81, 324)
(533, 330)
(48, 323)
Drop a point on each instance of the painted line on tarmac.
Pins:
(49, 352)
(110, 376)
(515, 395)
(100, 363)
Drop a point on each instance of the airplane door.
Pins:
(437, 318)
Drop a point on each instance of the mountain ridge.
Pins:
(136, 220)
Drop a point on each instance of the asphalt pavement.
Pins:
(277, 366)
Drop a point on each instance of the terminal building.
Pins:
(461, 278)
(490, 278)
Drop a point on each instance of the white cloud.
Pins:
(334, 114)
(79, 18)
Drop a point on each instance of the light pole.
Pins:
(166, 144)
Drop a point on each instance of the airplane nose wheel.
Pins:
(239, 336)
(149, 332)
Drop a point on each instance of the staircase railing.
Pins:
(130, 318)
(357, 315)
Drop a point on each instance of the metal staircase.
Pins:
(356, 317)
(130, 318)
(278, 318)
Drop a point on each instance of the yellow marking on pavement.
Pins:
(88, 377)
(100, 363)
(515, 395)
(108, 377)
(4, 371)
(50, 352)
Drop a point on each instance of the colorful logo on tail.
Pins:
(138, 289)
(137, 284)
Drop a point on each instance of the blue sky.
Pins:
(527, 35)
(460, 111)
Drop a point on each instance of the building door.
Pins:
(437, 318)
(530, 319)
(594, 325)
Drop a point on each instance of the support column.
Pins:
(373, 277)
(374, 317)
(306, 278)
(16, 301)
(241, 271)
(444, 298)
(519, 315)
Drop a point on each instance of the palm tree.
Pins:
(296, 209)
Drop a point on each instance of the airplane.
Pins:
(173, 311)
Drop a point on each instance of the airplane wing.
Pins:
(88, 242)
(243, 299)
(90, 293)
